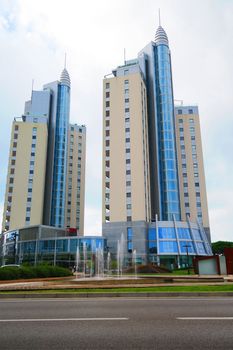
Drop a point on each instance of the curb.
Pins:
(114, 295)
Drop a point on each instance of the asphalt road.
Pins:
(168, 323)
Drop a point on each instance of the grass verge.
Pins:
(206, 288)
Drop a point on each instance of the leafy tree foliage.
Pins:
(218, 247)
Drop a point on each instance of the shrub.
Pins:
(39, 271)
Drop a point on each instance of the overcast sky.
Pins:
(34, 36)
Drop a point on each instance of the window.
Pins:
(32, 154)
(181, 138)
(185, 184)
(185, 175)
(12, 171)
(180, 111)
(107, 153)
(186, 194)
(107, 132)
(31, 172)
(127, 139)
(29, 199)
(129, 218)
(195, 174)
(107, 143)
(192, 129)
(107, 94)
(127, 129)
(126, 110)
(34, 137)
(126, 100)
(107, 113)
(183, 156)
(127, 161)
(197, 184)
(14, 144)
(107, 85)
(180, 121)
(190, 111)
(128, 194)
(126, 91)
(107, 123)
(16, 127)
(127, 120)
(128, 183)
(13, 162)
(127, 150)
(192, 138)
(128, 206)
(107, 104)
(128, 172)
(10, 189)
(15, 136)
(11, 180)
(181, 129)
(13, 153)
(198, 194)
(186, 205)
(32, 162)
(27, 218)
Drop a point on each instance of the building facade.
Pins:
(192, 185)
(75, 184)
(46, 154)
(125, 146)
(24, 196)
(143, 158)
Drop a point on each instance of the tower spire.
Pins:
(159, 18)
(65, 61)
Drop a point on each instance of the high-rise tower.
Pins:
(155, 62)
(55, 189)
(39, 174)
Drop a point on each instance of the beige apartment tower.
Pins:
(75, 186)
(193, 198)
(126, 186)
(24, 198)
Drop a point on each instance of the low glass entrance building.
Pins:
(172, 244)
(46, 244)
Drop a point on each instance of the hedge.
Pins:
(39, 271)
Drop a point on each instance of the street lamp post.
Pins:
(187, 246)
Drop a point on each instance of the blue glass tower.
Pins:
(55, 181)
(60, 152)
(155, 63)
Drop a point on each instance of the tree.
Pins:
(218, 247)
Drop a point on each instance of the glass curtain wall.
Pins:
(169, 194)
(60, 157)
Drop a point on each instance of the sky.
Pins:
(35, 35)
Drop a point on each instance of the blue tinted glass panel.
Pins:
(152, 234)
(167, 232)
(196, 235)
(200, 248)
(168, 247)
(129, 233)
(73, 245)
(62, 245)
(47, 246)
(184, 246)
(130, 246)
(183, 233)
(153, 247)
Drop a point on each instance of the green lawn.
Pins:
(195, 288)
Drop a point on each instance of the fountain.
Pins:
(108, 263)
(100, 262)
(120, 255)
(134, 258)
(77, 259)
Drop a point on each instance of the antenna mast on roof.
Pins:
(65, 61)
(124, 56)
(32, 87)
(159, 18)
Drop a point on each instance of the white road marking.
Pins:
(66, 319)
(204, 318)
